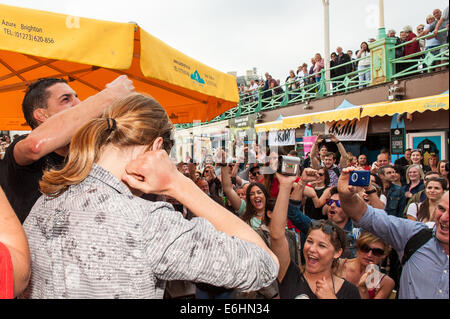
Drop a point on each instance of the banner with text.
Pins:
(348, 130)
(282, 138)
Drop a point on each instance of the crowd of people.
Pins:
(91, 206)
(5, 140)
(427, 37)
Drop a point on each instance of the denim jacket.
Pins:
(302, 222)
(396, 201)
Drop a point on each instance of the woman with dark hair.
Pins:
(443, 169)
(363, 271)
(258, 208)
(433, 162)
(92, 236)
(400, 175)
(316, 194)
(325, 243)
(424, 211)
(364, 63)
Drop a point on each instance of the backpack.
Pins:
(415, 242)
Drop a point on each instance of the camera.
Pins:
(288, 165)
(359, 178)
(325, 137)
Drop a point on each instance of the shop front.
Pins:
(414, 123)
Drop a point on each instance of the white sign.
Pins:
(348, 130)
(282, 138)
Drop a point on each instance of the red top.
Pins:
(274, 194)
(412, 47)
(6, 274)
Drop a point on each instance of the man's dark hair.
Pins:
(383, 168)
(330, 154)
(431, 173)
(333, 191)
(36, 97)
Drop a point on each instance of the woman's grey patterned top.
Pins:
(97, 240)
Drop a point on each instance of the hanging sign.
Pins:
(348, 130)
(397, 141)
(282, 138)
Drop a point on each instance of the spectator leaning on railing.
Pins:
(342, 58)
(412, 47)
(364, 76)
(319, 64)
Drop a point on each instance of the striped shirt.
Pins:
(97, 240)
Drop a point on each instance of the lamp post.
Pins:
(326, 40)
(381, 28)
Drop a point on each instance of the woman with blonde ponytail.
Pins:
(92, 236)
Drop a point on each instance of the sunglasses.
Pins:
(326, 228)
(321, 174)
(336, 201)
(256, 173)
(378, 252)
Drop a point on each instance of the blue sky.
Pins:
(237, 35)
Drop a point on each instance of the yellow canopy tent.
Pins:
(422, 104)
(90, 53)
(291, 122)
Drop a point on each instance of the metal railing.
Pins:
(425, 61)
(308, 88)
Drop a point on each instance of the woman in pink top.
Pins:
(318, 66)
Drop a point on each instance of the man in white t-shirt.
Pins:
(253, 89)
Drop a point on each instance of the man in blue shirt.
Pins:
(425, 274)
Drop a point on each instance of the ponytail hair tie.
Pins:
(111, 124)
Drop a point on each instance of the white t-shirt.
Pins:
(254, 87)
(300, 77)
(413, 208)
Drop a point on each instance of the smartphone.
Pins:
(359, 178)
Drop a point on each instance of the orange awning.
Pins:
(90, 53)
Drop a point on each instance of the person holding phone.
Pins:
(329, 159)
(431, 258)
(324, 246)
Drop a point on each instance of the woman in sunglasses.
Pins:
(324, 245)
(363, 271)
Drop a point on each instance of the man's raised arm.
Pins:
(56, 131)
